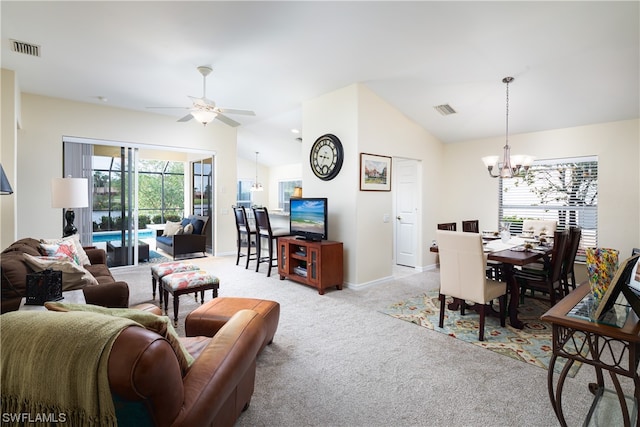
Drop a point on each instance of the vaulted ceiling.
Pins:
(574, 63)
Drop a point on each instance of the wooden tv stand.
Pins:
(314, 263)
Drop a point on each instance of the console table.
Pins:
(317, 264)
(612, 349)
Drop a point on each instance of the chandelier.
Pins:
(256, 185)
(511, 165)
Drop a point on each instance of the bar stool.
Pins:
(245, 231)
(263, 227)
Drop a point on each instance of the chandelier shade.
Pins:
(511, 165)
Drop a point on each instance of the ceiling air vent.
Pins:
(25, 48)
(445, 109)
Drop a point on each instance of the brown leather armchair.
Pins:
(148, 387)
(108, 292)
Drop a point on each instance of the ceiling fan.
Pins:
(204, 110)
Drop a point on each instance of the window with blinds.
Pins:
(564, 190)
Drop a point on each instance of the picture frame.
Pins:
(375, 172)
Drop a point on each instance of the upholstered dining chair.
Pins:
(470, 226)
(265, 232)
(539, 227)
(447, 226)
(568, 273)
(246, 231)
(548, 280)
(462, 276)
(494, 268)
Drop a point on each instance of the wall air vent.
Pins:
(445, 109)
(25, 48)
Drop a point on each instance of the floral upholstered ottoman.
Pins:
(187, 282)
(158, 271)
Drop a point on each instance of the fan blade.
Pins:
(186, 118)
(227, 120)
(232, 111)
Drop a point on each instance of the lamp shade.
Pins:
(69, 193)
(5, 187)
(297, 192)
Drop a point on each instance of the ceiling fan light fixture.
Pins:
(204, 116)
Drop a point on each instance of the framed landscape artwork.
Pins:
(375, 172)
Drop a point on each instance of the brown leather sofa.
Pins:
(148, 387)
(108, 292)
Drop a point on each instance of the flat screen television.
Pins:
(308, 218)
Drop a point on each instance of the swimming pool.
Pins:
(108, 236)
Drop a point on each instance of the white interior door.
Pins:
(406, 191)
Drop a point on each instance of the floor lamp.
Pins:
(69, 193)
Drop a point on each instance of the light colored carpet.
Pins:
(336, 360)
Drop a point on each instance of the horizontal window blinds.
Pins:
(563, 190)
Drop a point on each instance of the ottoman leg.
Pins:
(166, 300)
(176, 302)
(153, 286)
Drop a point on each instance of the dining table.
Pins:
(510, 254)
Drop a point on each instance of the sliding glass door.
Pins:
(111, 221)
(115, 205)
(202, 191)
(135, 191)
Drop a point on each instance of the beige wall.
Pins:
(473, 194)
(455, 185)
(47, 120)
(10, 116)
(365, 123)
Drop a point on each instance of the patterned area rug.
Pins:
(532, 345)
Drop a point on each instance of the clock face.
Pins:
(326, 157)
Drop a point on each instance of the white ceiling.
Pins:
(574, 63)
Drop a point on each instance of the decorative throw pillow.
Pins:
(65, 248)
(74, 276)
(82, 255)
(158, 324)
(198, 225)
(172, 228)
(188, 229)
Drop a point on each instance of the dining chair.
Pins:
(451, 226)
(494, 268)
(539, 227)
(265, 232)
(245, 231)
(462, 276)
(575, 233)
(549, 279)
(470, 226)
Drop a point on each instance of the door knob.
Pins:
(399, 218)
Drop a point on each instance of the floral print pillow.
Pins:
(62, 249)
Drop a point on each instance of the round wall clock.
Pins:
(326, 157)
